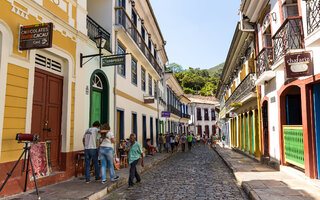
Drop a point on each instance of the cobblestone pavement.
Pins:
(200, 174)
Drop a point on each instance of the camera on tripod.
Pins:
(23, 137)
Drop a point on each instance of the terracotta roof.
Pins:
(203, 99)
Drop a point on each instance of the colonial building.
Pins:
(177, 105)
(41, 88)
(237, 93)
(285, 45)
(135, 34)
(287, 72)
(204, 115)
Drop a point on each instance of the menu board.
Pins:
(39, 159)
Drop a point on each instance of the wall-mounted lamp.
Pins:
(274, 16)
(100, 42)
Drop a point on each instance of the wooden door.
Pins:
(46, 112)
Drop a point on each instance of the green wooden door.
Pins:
(95, 106)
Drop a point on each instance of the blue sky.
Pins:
(198, 32)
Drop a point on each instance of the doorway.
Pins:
(144, 130)
(316, 103)
(151, 130)
(99, 99)
(120, 126)
(46, 112)
(265, 129)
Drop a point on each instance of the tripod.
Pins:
(26, 150)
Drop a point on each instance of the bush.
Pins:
(188, 91)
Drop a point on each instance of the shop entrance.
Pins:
(99, 106)
(316, 103)
(46, 111)
(120, 126)
(144, 130)
(265, 129)
(292, 130)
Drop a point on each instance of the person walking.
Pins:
(161, 142)
(89, 141)
(172, 142)
(183, 142)
(107, 140)
(167, 142)
(176, 141)
(135, 151)
(205, 139)
(190, 138)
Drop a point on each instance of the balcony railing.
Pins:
(173, 110)
(264, 60)
(313, 15)
(289, 36)
(243, 89)
(187, 116)
(123, 19)
(94, 29)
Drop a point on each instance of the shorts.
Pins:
(209, 141)
(166, 145)
(189, 144)
(177, 143)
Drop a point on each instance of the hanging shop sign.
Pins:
(36, 36)
(113, 60)
(298, 64)
(148, 100)
(165, 114)
(236, 104)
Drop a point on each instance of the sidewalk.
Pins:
(76, 188)
(264, 183)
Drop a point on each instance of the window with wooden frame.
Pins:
(134, 69)
(134, 17)
(199, 117)
(206, 114)
(150, 85)
(266, 31)
(121, 68)
(213, 115)
(289, 8)
(143, 79)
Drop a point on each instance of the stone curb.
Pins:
(246, 187)
(122, 182)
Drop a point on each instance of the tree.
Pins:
(174, 68)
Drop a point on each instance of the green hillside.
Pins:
(197, 81)
(216, 71)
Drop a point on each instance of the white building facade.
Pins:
(204, 115)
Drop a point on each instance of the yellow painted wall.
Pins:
(72, 117)
(55, 9)
(15, 112)
(243, 73)
(13, 20)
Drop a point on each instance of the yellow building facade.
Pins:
(37, 86)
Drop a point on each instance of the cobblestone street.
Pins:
(200, 174)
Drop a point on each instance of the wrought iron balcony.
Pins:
(289, 36)
(187, 116)
(313, 15)
(264, 60)
(243, 89)
(94, 29)
(173, 110)
(123, 19)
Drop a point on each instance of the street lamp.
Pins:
(100, 41)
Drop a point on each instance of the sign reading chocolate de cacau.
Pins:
(298, 64)
(36, 36)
